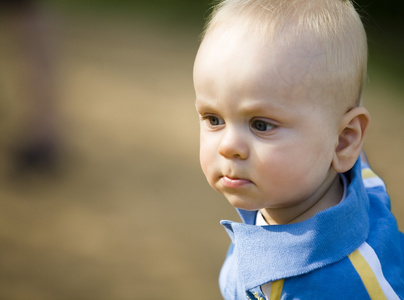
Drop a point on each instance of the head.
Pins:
(278, 86)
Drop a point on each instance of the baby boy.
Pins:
(278, 90)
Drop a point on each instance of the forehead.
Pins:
(250, 62)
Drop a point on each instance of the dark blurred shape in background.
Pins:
(33, 145)
(106, 198)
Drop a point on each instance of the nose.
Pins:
(233, 144)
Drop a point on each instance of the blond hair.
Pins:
(335, 24)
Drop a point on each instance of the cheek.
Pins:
(204, 161)
(206, 154)
(294, 163)
(308, 165)
(288, 177)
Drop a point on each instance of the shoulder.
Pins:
(374, 185)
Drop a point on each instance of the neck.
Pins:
(321, 200)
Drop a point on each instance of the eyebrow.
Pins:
(254, 106)
(250, 107)
(203, 103)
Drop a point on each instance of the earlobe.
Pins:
(350, 141)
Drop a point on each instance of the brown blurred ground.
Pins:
(128, 215)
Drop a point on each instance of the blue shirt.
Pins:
(353, 250)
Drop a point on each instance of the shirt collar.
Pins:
(268, 253)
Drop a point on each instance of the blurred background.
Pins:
(101, 194)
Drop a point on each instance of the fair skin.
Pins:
(268, 140)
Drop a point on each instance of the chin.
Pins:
(242, 204)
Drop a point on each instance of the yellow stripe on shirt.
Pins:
(368, 277)
(370, 179)
(276, 289)
(368, 173)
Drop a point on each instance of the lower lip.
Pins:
(234, 182)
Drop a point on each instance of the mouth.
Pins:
(234, 182)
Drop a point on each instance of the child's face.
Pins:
(267, 139)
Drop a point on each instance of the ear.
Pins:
(350, 140)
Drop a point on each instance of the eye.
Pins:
(261, 125)
(214, 120)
